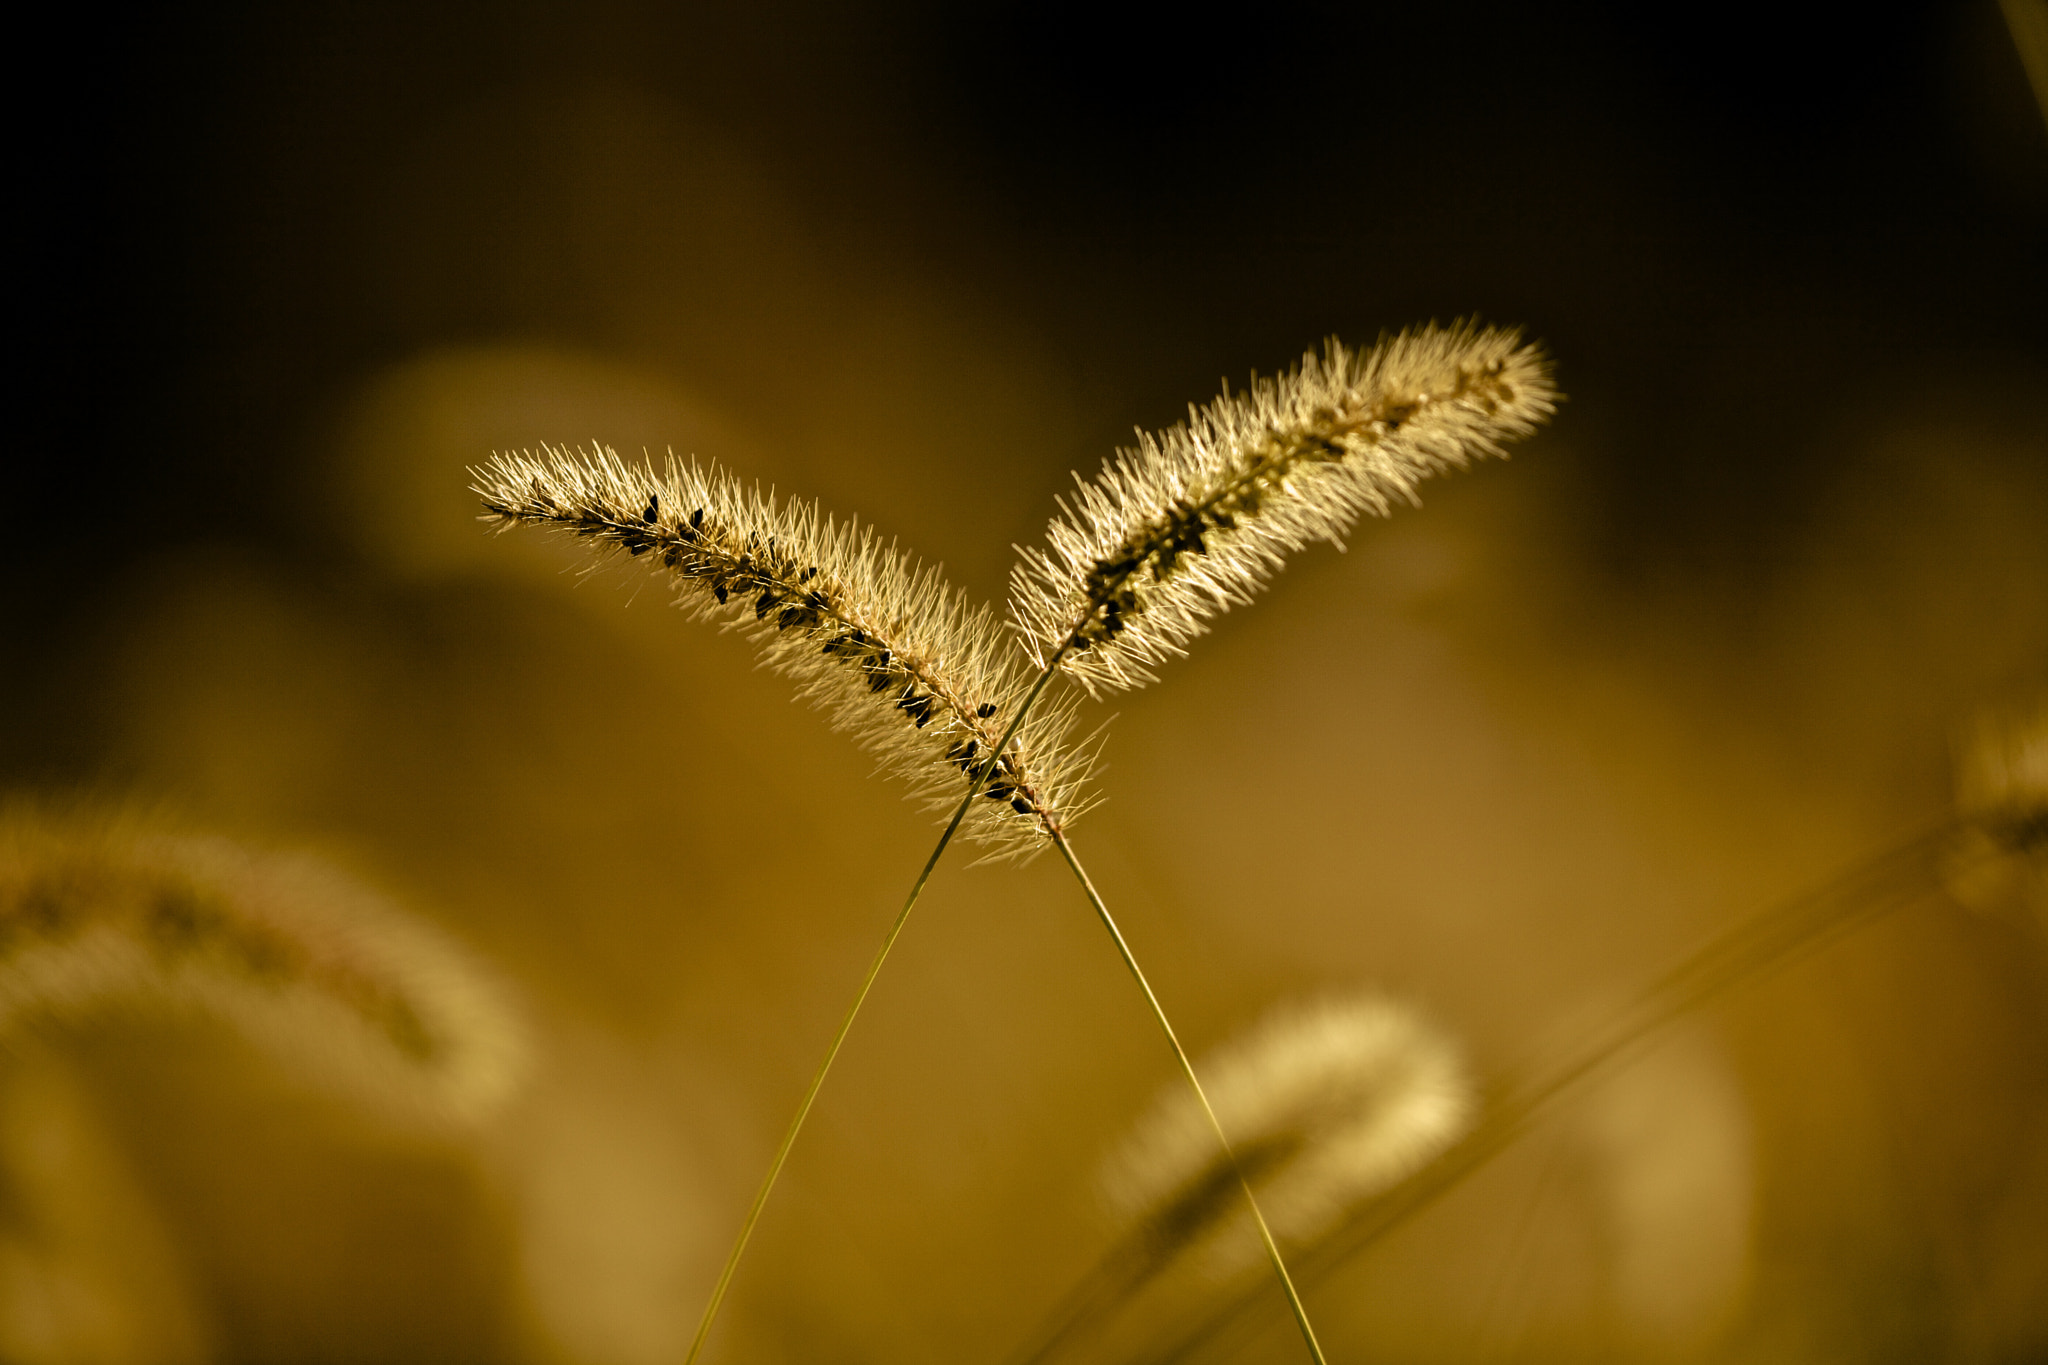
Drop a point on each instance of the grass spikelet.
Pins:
(1325, 1105)
(101, 916)
(2002, 776)
(895, 656)
(2000, 855)
(1195, 520)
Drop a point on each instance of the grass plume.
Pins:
(2002, 775)
(1999, 861)
(895, 656)
(101, 914)
(1195, 520)
(1328, 1104)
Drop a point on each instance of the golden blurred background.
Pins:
(1707, 639)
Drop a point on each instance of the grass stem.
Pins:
(976, 780)
(1308, 1333)
(1899, 877)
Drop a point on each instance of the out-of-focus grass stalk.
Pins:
(1888, 882)
(1294, 1304)
(2027, 20)
(1328, 1105)
(103, 911)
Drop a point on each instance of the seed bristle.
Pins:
(1195, 520)
(895, 654)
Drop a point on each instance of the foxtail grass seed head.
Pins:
(2002, 775)
(1324, 1105)
(2000, 857)
(894, 655)
(1195, 520)
(101, 915)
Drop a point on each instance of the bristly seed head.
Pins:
(1324, 1107)
(2000, 856)
(2002, 775)
(102, 914)
(889, 649)
(1195, 520)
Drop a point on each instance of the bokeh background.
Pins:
(283, 272)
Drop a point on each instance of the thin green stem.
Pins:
(975, 782)
(1308, 1333)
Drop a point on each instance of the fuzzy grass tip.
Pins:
(1195, 520)
(898, 658)
(101, 915)
(1325, 1105)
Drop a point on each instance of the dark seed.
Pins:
(648, 513)
(985, 710)
(1021, 806)
(719, 593)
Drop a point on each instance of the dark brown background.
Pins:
(282, 273)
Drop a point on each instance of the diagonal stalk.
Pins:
(1892, 880)
(975, 782)
(1187, 1068)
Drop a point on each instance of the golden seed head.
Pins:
(2002, 774)
(1195, 520)
(896, 656)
